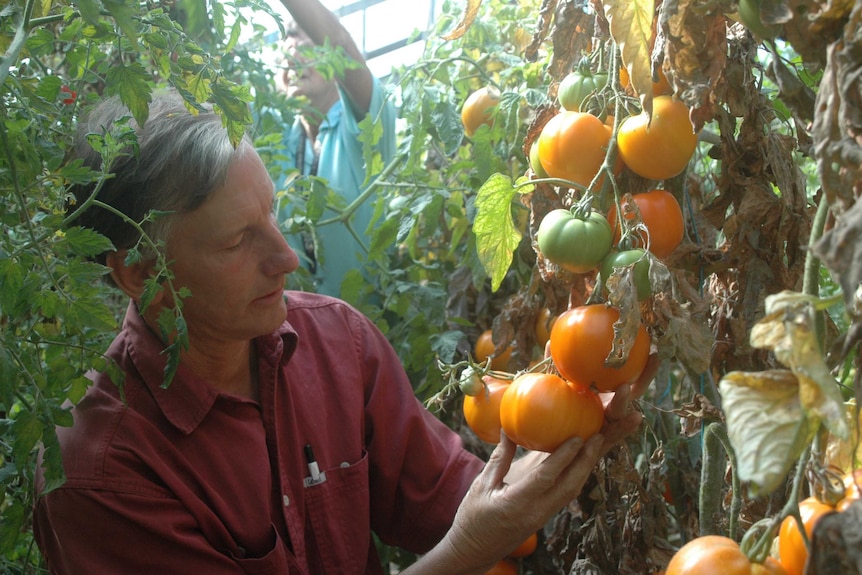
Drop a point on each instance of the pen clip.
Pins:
(315, 475)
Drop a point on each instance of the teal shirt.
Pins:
(342, 165)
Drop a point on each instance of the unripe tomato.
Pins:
(792, 551)
(577, 86)
(581, 340)
(662, 216)
(749, 15)
(661, 147)
(535, 163)
(470, 382)
(527, 547)
(573, 145)
(574, 243)
(503, 567)
(540, 411)
(482, 411)
(717, 555)
(638, 257)
(479, 109)
(485, 347)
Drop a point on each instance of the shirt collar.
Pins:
(188, 399)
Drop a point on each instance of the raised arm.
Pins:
(319, 23)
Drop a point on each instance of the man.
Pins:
(290, 432)
(324, 138)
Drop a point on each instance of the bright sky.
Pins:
(383, 24)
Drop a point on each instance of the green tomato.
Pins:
(534, 160)
(577, 86)
(749, 15)
(470, 382)
(574, 243)
(636, 257)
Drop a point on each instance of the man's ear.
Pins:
(129, 278)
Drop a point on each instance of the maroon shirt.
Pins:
(192, 481)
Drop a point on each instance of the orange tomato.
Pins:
(717, 555)
(542, 327)
(482, 411)
(485, 347)
(662, 217)
(527, 547)
(503, 567)
(660, 88)
(540, 411)
(581, 340)
(792, 551)
(479, 109)
(573, 145)
(660, 146)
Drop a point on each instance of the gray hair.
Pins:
(181, 158)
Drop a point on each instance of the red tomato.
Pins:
(792, 551)
(581, 340)
(662, 217)
(540, 411)
(482, 411)
(717, 555)
(68, 95)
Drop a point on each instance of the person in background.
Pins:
(289, 432)
(324, 138)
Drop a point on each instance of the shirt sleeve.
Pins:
(420, 471)
(98, 532)
(381, 110)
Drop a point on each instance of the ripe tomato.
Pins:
(662, 217)
(542, 327)
(573, 145)
(482, 411)
(484, 349)
(662, 87)
(636, 257)
(572, 242)
(581, 340)
(792, 551)
(479, 109)
(540, 411)
(527, 547)
(661, 147)
(535, 163)
(503, 567)
(717, 555)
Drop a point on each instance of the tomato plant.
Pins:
(573, 241)
(527, 547)
(717, 555)
(581, 340)
(479, 109)
(662, 216)
(573, 145)
(659, 146)
(579, 85)
(792, 549)
(638, 259)
(482, 411)
(539, 411)
(485, 348)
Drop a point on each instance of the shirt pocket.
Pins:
(339, 514)
(275, 560)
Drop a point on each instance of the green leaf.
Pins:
(496, 234)
(27, 430)
(86, 242)
(52, 460)
(766, 425)
(124, 12)
(130, 82)
(11, 282)
(11, 527)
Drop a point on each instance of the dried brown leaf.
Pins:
(631, 24)
(469, 17)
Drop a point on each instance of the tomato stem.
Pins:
(811, 277)
(712, 478)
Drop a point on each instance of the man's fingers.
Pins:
(498, 463)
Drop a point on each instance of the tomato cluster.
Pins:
(717, 555)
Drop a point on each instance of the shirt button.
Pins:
(286, 500)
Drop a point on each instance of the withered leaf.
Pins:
(631, 23)
(469, 17)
